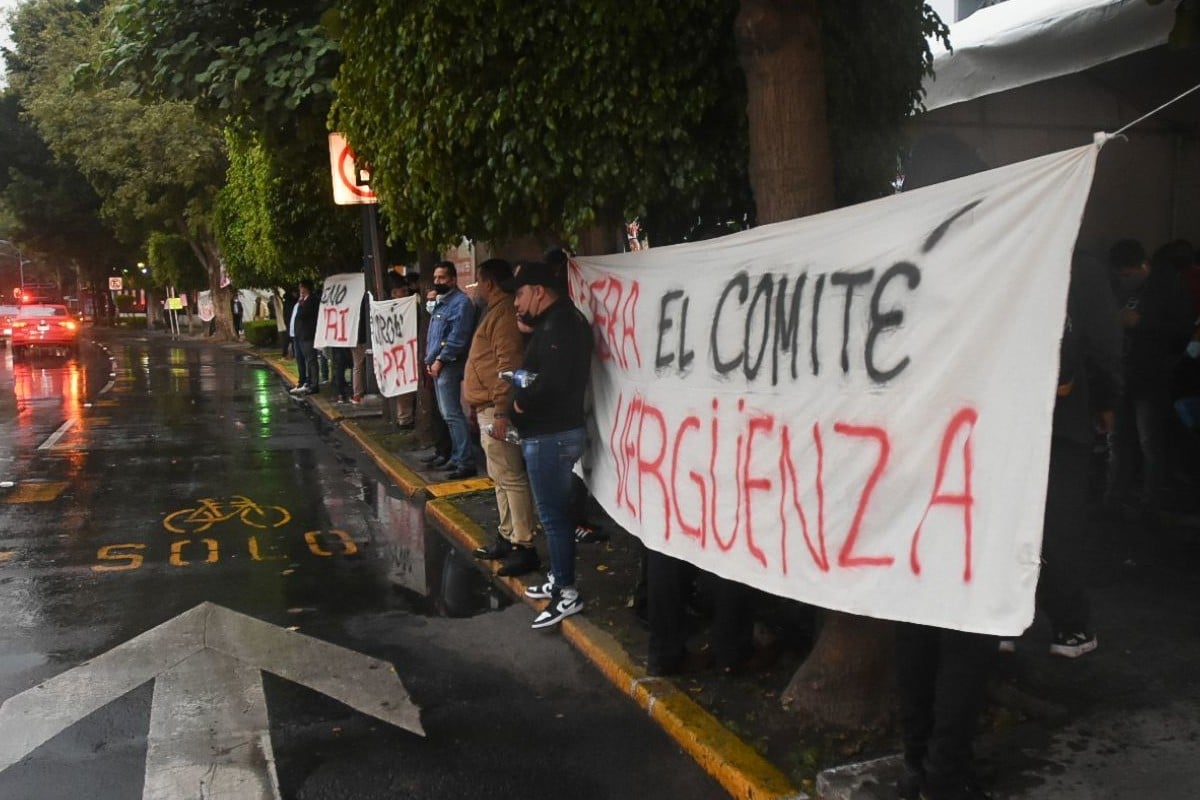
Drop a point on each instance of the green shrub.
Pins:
(260, 332)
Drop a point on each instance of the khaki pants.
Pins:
(507, 470)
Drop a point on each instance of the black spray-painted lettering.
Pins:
(769, 313)
(334, 294)
(682, 357)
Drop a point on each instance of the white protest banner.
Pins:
(394, 346)
(204, 306)
(341, 305)
(851, 409)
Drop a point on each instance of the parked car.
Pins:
(6, 318)
(44, 326)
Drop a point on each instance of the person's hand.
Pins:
(499, 427)
(1129, 318)
(1104, 421)
(435, 368)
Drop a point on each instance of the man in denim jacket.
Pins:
(450, 332)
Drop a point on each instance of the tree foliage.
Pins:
(55, 211)
(876, 57)
(265, 75)
(266, 67)
(276, 220)
(497, 118)
(155, 165)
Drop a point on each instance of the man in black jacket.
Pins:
(548, 412)
(304, 333)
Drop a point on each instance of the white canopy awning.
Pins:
(1019, 42)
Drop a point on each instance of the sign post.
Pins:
(352, 186)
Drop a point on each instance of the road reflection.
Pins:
(45, 380)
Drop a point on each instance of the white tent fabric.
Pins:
(1019, 42)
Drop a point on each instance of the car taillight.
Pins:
(69, 325)
(20, 325)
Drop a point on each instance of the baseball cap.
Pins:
(534, 273)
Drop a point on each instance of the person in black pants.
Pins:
(942, 679)
(669, 584)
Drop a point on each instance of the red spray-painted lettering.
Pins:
(658, 484)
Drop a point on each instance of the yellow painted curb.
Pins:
(737, 766)
(409, 482)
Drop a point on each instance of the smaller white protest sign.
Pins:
(394, 345)
(341, 304)
(204, 306)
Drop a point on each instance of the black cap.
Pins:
(534, 273)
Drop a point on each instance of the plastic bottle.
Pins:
(520, 378)
(510, 435)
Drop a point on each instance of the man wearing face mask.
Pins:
(449, 334)
(548, 412)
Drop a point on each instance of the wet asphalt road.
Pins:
(149, 476)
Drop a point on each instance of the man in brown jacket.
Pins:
(499, 347)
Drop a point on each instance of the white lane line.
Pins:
(58, 434)
(107, 387)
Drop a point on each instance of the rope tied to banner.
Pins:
(1102, 137)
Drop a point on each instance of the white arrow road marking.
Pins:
(209, 730)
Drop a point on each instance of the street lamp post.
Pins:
(20, 263)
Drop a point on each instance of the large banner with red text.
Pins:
(851, 409)
(394, 346)
(341, 305)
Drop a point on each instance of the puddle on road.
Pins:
(429, 574)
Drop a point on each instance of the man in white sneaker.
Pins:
(548, 411)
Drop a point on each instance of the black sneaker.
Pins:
(563, 603)
(520, 561)
(1073, 645)
(495, 551)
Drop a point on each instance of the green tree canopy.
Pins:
(266, 67)
(276, 220)
(500, 118)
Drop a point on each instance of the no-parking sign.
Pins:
(351, 182)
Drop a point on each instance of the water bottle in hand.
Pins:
(521, 378)
(510, 435)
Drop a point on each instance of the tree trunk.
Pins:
(847, 681)
(791, 166)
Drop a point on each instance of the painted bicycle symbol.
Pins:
(210, 512)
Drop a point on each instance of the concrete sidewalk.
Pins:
(1119, 723)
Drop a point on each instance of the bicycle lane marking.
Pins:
(215, 529)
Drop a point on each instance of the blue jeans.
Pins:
(449, 400)
(548, 461)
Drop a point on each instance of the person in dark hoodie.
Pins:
(1156, 316)
(548, 412)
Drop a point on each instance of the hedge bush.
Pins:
(260, 332)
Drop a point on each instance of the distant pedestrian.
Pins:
(237, 311)
(548, 410)
(283, 303)
(303, 330)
